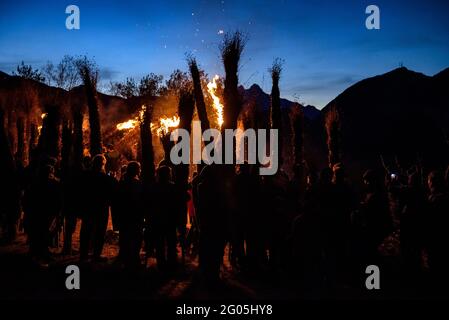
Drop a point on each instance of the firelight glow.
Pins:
(212, 88)
(130, 124)
(167, 123)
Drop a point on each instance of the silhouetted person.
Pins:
(192, 205)
(336, 221)
(195, 197)
(343, 203)
(98, 193)
(239, 215)
(317, 199)
(374, 220)
(70, 209)
(437, 233)
(298, 186)
(319, 202)
(163, 218)
(42, 205)
(411, 223)
(130, 215)
(120, 176)
(213, 223)
(73, 188)
(182, 198)
(10, 203)
(320, 206)
(447, 178)
(112, 160)
(277, 218)
(313, 253)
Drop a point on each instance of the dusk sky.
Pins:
(325, 44)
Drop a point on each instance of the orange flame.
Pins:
(130, 124)
(142, 112)
(39, 128)
(212, 88)
(166, 124)
(163, 127)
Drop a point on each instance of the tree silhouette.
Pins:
(146, 143)
(333, 130)
(275, 103)
(27, 72)
(198, 92)
(231, 50)
(88, 71)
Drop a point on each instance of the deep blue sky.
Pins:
(325, 44)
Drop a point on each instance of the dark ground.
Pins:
(23, 279)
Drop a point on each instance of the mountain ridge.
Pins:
(401, 114)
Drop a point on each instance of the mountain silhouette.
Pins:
(314, 135)
(401, 115)
(262, 99)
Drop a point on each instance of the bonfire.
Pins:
(218, 107)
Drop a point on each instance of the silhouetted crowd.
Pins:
(319, 231)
